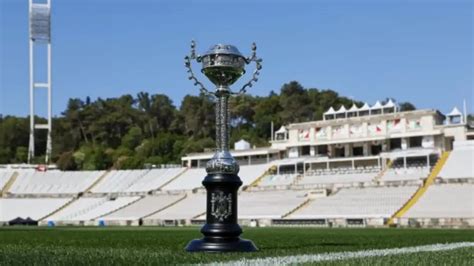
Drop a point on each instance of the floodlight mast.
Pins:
(40, 34)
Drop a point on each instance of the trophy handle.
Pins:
(256, 72)
(187, 64)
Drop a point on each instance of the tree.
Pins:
(295, 103)
(198, 116)
(21, 154)
(406, 106)
(267, 111)
(133, 138)
(66, 161)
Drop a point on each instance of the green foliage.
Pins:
(406, 106)
(79, 157)
(14, 133)
(128, 162)
(66, 161)
(21, 154)
(92, 158)
(133, 138)
(5, 154)
(127, 132)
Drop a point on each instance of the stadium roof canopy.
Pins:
(342, 112)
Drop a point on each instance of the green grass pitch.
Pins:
(165, 246)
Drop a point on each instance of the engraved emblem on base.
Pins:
(222, 65)
(221, 205)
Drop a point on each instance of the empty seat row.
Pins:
(53, 182)
(445, 201)
(372, 202)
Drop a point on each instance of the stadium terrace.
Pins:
(363, 166)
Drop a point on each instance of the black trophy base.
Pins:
(204, 245)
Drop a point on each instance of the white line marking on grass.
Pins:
(344, 255)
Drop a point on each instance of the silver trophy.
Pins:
(223, 65)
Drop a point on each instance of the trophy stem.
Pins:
(222, 119)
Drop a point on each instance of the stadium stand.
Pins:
(4, 177)
(249, 173)
(85, 209)
(53, 182)
(118, 181)
(193, 177)
(409, 173)
(277, 180)
(38, 208)
(460, 163)
(339, 175)
(268, 204)
(371, 202)
(154, 179)
(144, 207)
(445, 201)
(188, 208)
(190, 179)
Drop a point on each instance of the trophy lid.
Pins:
(223, 49)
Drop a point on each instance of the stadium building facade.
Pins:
(367, 166)
(356, 137)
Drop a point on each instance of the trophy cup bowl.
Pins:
(223, 64)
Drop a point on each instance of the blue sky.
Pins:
(417, 51)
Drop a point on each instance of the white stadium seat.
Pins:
(5, 175)
(409, 173)
(380, 202)
(54, 182)
(35, 208)
(268, 204)
(188, 208)
(460, 164)
(85, 209)
(154, 179)
(190, 179)
(143, 207)
(445, 201)
(117, 181)
(277, 180)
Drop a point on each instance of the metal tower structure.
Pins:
(40, 35)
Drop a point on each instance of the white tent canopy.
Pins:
(341, 110)
(389, 104)
(376, 106)
(282, 130)
(354, 108)
(455, 112)
(365, 107)
(330, 111)
(242, 145)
